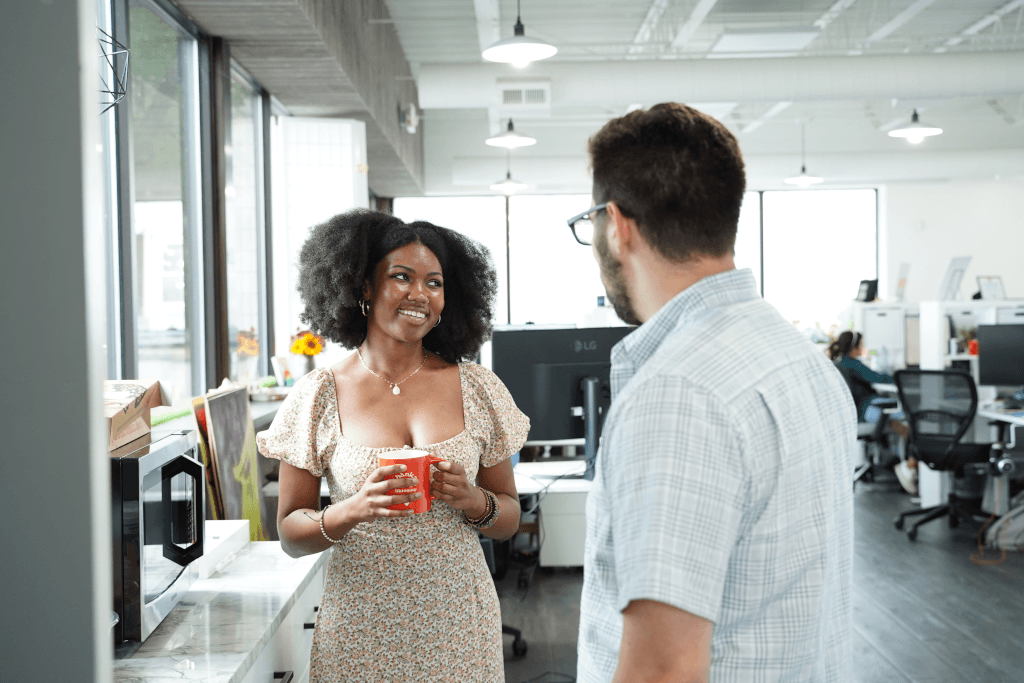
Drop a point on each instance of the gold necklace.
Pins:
(394, 385)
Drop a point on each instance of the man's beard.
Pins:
(614, 284)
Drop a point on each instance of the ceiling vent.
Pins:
(524, 96)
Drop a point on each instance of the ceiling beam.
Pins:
(488, 22)
(833, 13)
(775, 110)
(899, 20)
(796, 79)
(982, 24)
(690, 26)
(650, 22)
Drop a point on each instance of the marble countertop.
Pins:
(223, 623)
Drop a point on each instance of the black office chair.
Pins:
(940, 407)
(872, 434)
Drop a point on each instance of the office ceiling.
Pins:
(846, 70)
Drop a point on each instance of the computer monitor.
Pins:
(1001, 355)
(559, 378)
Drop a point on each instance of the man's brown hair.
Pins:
(677, 172)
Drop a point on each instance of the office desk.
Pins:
(1014, 418)
(562, 509)
(884, 388)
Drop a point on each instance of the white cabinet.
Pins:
(1007, 315)
(563, 528)
(289, 648)
(884, 326)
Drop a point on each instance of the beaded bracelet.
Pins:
(324, 532)
(490, 516)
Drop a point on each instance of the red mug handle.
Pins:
(433, 460)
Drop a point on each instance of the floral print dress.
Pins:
(407, 599)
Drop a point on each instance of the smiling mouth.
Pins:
(415, 315)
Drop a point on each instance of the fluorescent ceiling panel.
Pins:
(763, 41)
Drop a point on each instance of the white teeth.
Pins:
(413, 314)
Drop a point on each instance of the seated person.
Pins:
(846, 352)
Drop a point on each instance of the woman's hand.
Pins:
(373, 499)
(452, 486)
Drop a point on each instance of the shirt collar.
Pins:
(731, 286)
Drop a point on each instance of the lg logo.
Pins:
(585, 346)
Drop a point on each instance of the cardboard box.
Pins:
(126, 405)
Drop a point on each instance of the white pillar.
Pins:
(54, 492)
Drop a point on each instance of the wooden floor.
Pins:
(923, 612)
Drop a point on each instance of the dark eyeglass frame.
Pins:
(577, 218)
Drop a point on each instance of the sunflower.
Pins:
(307, 344)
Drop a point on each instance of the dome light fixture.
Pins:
(915, 131)
(508, 185)
(804, 180)
(510, 139)
(519, 50)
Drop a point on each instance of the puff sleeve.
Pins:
(496, 420)
(298, 435)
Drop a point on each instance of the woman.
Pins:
(408, 596)
(846, 351)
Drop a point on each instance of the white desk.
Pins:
(885, 388)
(562, 508)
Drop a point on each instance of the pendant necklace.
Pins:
(394, 385)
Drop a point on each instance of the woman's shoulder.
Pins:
(484, 384)
(479, 375)
(313, 386)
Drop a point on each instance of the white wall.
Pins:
(55, 490)
(927, 224)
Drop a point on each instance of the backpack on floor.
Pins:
(1007, 532)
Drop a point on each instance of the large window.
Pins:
(244, 231)
(166, 214)
(818, 246)
(554, 280)
(748, 235)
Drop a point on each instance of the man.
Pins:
(720, 524)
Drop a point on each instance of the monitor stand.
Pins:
(591, 405)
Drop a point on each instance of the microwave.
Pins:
(157, 515)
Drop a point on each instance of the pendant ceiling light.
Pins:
(510, 139)
(519, 50)
(804, 180)
(508, 185)
(915, 131)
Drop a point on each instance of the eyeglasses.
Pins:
(582, 225)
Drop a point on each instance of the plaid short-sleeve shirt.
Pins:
(723, 488)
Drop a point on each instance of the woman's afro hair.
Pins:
(342, 254)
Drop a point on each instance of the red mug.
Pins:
(972, 347)
(417, 464)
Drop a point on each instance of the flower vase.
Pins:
(307, 364)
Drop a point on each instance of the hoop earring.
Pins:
(438, 321)
(363, 305)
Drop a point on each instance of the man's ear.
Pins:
(621, 231)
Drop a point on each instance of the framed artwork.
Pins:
(991, 287)
(233, 450)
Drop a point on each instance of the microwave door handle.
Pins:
(183, 465)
